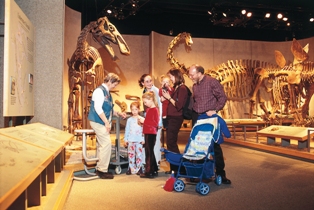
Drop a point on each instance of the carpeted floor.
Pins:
(260, 180)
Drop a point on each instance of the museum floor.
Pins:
(260, 180)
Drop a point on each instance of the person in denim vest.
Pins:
(100, 116)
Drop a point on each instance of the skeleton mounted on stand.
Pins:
(293, 85)
(86, 70)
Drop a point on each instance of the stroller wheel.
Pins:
(179, 185)
(197, 188)
(204, 189)
(118, 170)
(218, 180)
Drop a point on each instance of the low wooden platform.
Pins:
(286, 133)
(30, 160)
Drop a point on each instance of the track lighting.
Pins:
(124, 9)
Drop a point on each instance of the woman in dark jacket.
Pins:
(174, 111)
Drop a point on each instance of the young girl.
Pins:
(146, 82)
(134, 140)
(165, 85)
(150, 127)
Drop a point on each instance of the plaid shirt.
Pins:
(208, 94)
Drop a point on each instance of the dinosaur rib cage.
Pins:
(237, 77)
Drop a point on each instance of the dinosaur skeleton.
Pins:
(86, 70)
(235, 76)
(174, 42)
(291, 86)
(296, 82)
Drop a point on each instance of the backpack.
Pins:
(187, 108)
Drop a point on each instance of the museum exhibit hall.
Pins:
(94, 113)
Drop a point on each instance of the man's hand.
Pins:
(123, 115)
(211, 113)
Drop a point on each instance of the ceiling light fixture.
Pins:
(279, 16)
(122, 11)
(311, 19)
(243, 12)
(249, 14)
(285, 19)
(267, 15)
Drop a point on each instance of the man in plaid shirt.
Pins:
(209, 97)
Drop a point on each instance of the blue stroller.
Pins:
(198, 158)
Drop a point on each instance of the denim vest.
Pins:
(107, 107)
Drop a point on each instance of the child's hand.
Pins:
(142, 142)
(141, 119)
(126, 144)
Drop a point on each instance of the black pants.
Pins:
(219, 158)
(165, 123)
(174, 125)
(151, 165)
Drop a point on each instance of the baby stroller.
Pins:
(198, 158)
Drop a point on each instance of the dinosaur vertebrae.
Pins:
(307, 73)
(170, 58)
(82, 45)
(237, 77)
(303, 72)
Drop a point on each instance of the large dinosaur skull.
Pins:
(105, 32)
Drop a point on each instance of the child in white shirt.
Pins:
(134, 140)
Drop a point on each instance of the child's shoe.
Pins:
(128, 172)
(140, 171)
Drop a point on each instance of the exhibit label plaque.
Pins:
(18, 75)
